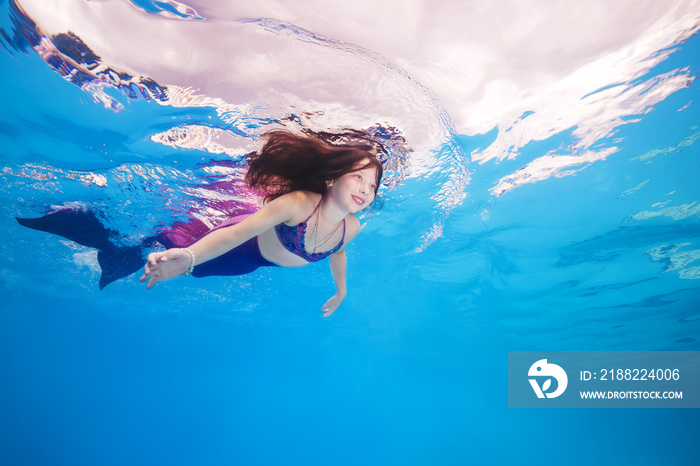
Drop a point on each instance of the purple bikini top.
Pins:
(292, 238)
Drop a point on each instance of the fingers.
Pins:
(151, 277)
(151, 282)
(328, 309)
(148, 272)
(151, 259)
(151, 269)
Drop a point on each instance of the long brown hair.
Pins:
(289, 162)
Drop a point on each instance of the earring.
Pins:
(329, 183)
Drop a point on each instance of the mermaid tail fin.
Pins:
(120, 263)
(83, 227)
(78, 225)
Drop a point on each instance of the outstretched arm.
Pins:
(338, 268)
(173, 262)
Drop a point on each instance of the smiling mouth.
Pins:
(358, 200)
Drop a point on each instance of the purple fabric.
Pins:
(292, 238)
(84, 227)
(239, 261)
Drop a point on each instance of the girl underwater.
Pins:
(312, 189)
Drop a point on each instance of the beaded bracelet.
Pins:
(192, 260)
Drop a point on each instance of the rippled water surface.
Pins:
(541, 193)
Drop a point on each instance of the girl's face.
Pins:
(355, 190)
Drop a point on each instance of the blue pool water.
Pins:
(565, 217)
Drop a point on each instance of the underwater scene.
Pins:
(540, 193)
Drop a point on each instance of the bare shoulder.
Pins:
(299, 196)
(298, 204)
(352, 227)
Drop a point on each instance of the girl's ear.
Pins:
(329, 183)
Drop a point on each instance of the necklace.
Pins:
(314, 232)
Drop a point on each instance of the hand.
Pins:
(331, 305)
(164, 265)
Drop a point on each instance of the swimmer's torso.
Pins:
(274, 251)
